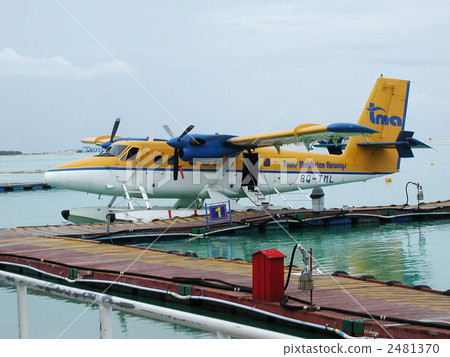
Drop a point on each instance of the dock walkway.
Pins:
(52, 252)
(175, 227)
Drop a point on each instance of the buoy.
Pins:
(432, 164)
(387, 179)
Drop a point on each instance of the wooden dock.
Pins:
(256, 220)
(357, 307)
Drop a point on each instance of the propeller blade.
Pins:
(167, 129)
(188, 129)
(176, 158)
(114, 131)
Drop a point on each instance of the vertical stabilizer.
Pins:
(385, 111)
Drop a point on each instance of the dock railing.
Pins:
(106, 304)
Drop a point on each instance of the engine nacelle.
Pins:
(204, 146)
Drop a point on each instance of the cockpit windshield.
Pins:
(113, 150)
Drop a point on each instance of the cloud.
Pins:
(15, 64)
(295, 22)
(314, 30)
(292, 31)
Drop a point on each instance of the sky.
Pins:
(68, 69)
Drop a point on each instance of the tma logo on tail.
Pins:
(382, 119)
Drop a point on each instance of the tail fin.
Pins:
(385, 111)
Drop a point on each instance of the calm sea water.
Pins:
(414, 253)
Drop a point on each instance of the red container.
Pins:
(268, 275)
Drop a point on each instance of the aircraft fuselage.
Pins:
(147, 166)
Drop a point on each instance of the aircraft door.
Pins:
(125, 166)
(250, 170)
(133, 170)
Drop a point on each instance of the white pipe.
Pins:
(106, 321)
(188, 297)
(22, 310)
(222, 336)
(224, 328)
(230, 303)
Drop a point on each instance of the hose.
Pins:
(290, 267)
(209, 282)
(407, 197)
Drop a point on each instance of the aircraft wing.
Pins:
(89, 140)
(98, 140)
(305, 133)
(277, 138)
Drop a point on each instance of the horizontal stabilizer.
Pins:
(404, 143)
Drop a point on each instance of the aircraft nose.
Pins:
(53, 178)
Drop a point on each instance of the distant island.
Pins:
(10, 152)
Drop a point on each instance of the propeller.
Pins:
(167, 129)
(188, 129)
(102, 140)
(114, 130)
(176, 155)
(176, 164)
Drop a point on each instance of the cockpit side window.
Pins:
(131, 154)
(113, 150)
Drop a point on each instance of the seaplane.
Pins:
(192, 168)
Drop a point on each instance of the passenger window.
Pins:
(158, 160)
(266, 162)
(131, 154)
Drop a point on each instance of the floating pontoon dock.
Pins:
(255, 220)
(25, 186)
(343, 305)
